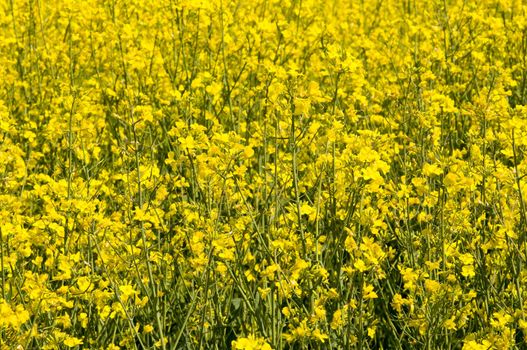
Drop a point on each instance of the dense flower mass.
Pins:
(264, 174)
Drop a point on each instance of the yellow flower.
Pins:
(450, 324)
(302, 106)
(500, 320)
(337, 319)
(368, 292)
(127, 291)
(432, 286)
(474, 345)
(432, 169)
(72, 342)
(398, 302)
(360, 266)
(371, 332)
(83, 318)
(250, 343)
(319, 336)
(468, 271)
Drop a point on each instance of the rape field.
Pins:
(291, 174)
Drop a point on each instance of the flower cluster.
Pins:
(293, 174)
